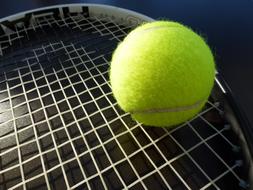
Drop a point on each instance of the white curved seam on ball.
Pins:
(158, 27)
(168, 110)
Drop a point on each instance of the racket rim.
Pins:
(15, 16)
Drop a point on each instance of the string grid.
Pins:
(61, 128)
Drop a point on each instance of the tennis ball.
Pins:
(162, 73)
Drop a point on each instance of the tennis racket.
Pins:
(61, 128)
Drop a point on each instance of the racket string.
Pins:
(70, 60)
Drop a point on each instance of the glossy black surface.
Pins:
(226, 24)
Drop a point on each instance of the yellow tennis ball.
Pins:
(162, 73)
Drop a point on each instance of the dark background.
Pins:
(226, 24)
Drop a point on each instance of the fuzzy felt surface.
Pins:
(162, 73)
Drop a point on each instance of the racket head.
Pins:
(62, 128)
